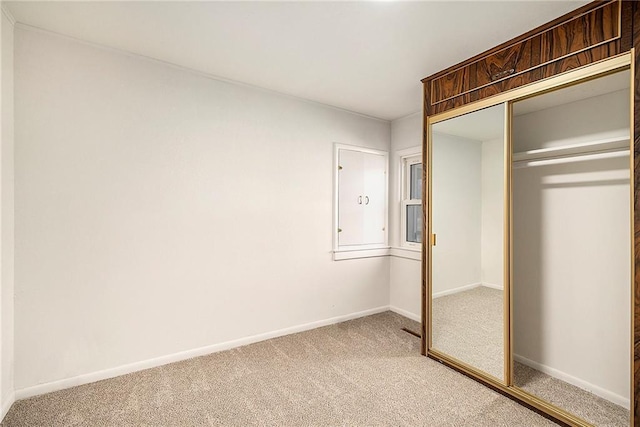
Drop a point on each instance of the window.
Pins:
(411, 213)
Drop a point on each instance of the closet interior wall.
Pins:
(572, 247)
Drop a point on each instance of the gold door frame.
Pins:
(599, 69)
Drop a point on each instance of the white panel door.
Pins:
(375, 199)
(350, 197)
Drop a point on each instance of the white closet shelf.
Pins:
(596, 147)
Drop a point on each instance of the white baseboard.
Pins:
(456, 290)
(49, 387)
(405, 313)
(592, 388)
(7, 405)
(493, 286)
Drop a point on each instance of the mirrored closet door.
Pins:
(529, 260)
(571, 255)
(467, 252)
(568, 344)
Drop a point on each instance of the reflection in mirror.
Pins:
(572, 250)
(467, 316)
(414, 223)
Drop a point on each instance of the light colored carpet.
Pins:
(469, 326)
(365, 372)
(599, 412)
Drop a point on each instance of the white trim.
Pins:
(466, 288)
(360, 148)
(354, 252)
(404, 184)
(9, 15)
(404, 243)
(405, 313)
(456, 290)
(493, 286)
(592, 388)
(7, 405)
(407, 253)
(405, 168)
(350, 248)
(183, 355)
(196, 72)
(408, 152)
(360, 253)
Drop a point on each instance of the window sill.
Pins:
(342, 254)
(407, 252)
(399, 252)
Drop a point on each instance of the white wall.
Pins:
(159, 211)
(571, 264)
(492, 206)
(6, 215)
(406, 134)
(405, 286)
(486, 265)
(405, 280)
(562, 127)
(456, 212)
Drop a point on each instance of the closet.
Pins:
(529, 264)
(571, 253)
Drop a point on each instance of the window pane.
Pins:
(415, 190)
(414, 223)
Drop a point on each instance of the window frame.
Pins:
(407, 159)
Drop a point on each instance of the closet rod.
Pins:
(577, 157)
(609, 144)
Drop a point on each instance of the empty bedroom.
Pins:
(320, 213)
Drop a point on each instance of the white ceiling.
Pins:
(366, 57)
(481, 125)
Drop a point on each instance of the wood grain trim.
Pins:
(545, 40)
(626, 26)
(528, 70)
(553, 69)
(549, 25)
(635, 372)
(425, 229)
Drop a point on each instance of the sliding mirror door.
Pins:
(467, 245)
(571, 258)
